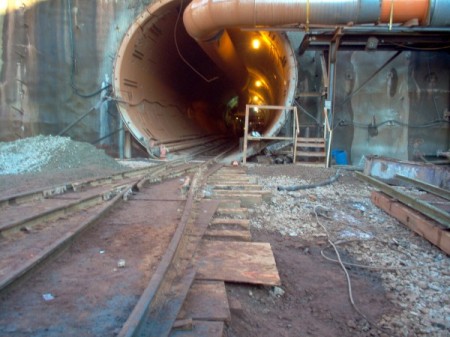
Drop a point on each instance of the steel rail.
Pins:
(431, 211)
(445, 194)
(137, 323)
(59, 245)
(75, 185)
(58, 211)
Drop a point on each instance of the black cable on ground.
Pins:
(308, 186)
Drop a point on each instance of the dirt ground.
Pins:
(403, 295)
(313, 299)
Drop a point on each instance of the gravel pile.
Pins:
(415, 274)
(49, 153)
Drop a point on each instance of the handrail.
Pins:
(327, 135)
(297, 123)
(295, 128)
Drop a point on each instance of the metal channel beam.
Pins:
(426, 187)
(425, 208)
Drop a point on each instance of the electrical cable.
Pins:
(416, 48)
(72, 73)
(179, 52)
(347, 276)
(343, 123)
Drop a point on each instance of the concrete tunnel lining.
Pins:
(160, 97)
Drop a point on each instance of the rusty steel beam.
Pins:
(426, 187)
(417, 222)
(425, 208)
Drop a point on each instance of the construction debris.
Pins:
(50, 153)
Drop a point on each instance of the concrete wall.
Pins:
(56, 52)
(387, 103)
(55, 55)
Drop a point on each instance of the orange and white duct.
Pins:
(207, 20)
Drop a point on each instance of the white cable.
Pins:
(349, 283)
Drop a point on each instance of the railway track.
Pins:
(422, 207)
(79, 260)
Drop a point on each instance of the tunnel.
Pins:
(170, 91)
(184, 72)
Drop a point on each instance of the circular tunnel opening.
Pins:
(169, 90)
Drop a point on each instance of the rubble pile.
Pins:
(50, 153)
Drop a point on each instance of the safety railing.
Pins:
(248, 137)
(327, 135)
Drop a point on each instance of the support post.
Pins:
(127, 147)
(121, 139)
(247, 111)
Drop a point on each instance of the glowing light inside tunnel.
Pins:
(12, 5)
(256, 43)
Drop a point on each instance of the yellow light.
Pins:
(258, 84)
(12, 5)
(256, 43)
(255, 99)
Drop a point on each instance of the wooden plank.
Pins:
(266, 195)
(232, 181)
(229, 203)
(425, 208)
(243, 223)
(310, 154)
(238, 212)
(422, 225)
(313, 145)
(206, 301)
(229, 234)
(228, 187)
(201, 329)
(310, 140)
(243, 262)
(246, 200)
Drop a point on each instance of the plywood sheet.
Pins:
(243, 262)
(201, 328)
(206, 301)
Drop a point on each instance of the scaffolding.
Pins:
(293, 138)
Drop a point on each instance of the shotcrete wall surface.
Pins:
(52, 54)
(56, 55)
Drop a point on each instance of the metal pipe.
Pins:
(207, 20)
(203, 19)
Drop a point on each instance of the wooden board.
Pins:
(243, 262)
(246, 200)
(229, 234)
(201, 329)
(239, 223)
(419, 223)
(206, 301)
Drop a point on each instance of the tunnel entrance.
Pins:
(168, 89)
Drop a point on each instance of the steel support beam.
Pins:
(426, 187)
(425, 208)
